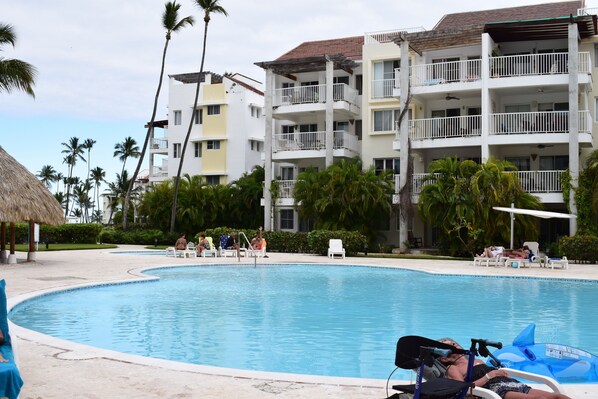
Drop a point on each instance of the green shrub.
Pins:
(353, 241)
(137, 237)
(581, 248)
(83, 233)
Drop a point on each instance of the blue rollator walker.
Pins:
(421, 354)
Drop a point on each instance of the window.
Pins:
(213, 144)
(446, 68)
(197, 150)
(213, 109)
(177, 117)
(595, 55)
(383, 82)
(384, 120)
(198, 116)
(358, 129)
(554, 162)
(309, 136)
(256, 145)
(392, 164)
(288, 132)
(213, 180)
(522, 163)
(176, 150)
(287, 173)
(256, 112)
(359, 84)
(287, 219)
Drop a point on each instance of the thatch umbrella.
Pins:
(23, 198)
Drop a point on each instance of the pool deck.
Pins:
(52, 368)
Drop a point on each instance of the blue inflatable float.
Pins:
(565, 364)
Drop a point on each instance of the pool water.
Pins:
(309, 319)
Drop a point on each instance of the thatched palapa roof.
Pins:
(23, 197)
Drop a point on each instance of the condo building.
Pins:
(513, 84)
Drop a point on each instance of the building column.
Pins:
(573, 55)
(12, 258)
(486, 110)
(329, 112)
(269, 90)
(404, 142)
(31, 254)
(3, 255)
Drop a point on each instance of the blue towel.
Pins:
(10, 378)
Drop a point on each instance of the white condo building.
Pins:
(227, 135)
(513, 84)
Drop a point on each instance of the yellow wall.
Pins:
(214, 127)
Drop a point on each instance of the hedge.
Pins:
(137, 237)
(83, 233)
(582, 248)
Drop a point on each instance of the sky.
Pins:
(98, 61)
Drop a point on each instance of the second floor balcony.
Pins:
(293, 100)
(159, 145)
(314, 141)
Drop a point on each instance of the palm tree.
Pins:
(97, 176)
(88, 144)
(126, 149)
(118, 191)
(171, 23)
(14, 74)
(59, 178)
(208, 7)
(74, 151)
(47, 175)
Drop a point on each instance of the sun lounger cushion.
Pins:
(10, 378)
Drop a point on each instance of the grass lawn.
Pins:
(64, 247)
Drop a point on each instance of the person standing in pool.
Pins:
(491, 378)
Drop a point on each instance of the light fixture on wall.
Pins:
(534, 156)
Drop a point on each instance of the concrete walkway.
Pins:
(53, 368)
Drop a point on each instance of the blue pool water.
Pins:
(309, 319)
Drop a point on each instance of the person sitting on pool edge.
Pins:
(203, 244)
(491, 378)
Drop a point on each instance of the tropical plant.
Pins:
(118, 192)
(172, 24)
(47, 175)
(457, 199)
(14, 74)
(208, 7)
(97, 176)
(156, 204)
(74, 152)
(125, 150)
(88, 145)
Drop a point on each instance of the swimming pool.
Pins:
(309, 319)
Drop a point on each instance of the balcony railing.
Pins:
(534, 181)
(437, 128)
(443, 72)
(159, 144)
(302, 141)
(286, 188)
(537, 122)
(587, 11)
(388, 35)
(382, 88)
(313, 94)
(503, 66)
(158, 171)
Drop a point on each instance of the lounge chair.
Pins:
(172, 251)
(497, 260)
(10, 378)
(335, 247)
(563, 262)
(258, 253)
(536, 258)
(223, 251)
(209, 252)
(419, 353)
(191, 251)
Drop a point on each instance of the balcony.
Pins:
(315, 141)
(159, 173)
(469, 71)
(532, 181)
(159, 146)
(382, 88)
(538, 122)
(442, 128)
(293, 100)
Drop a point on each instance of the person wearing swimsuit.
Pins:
(496, 380)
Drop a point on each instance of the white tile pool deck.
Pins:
(52, 368)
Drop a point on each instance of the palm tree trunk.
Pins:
(178, 173)
(68, 189)
(150, 129)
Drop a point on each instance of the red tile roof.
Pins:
(537, 11)
(350, 47)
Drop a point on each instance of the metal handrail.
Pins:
(241, 234)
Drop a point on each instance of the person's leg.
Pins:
(535, 394)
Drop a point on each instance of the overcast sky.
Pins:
(98, 60)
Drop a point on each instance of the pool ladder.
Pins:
(250, 248)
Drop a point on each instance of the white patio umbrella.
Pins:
(532, 212)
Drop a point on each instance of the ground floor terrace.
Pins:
(53, 368)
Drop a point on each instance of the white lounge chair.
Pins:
(496, 260)
(172, 251)
(209, 252)
(191, 251)
(535, 259)
(335, 247)
(563, 262)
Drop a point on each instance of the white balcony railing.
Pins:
(533, 181)
(436, 128)
(388, 35)
(159, 144)
(536, 64)
(503, 66)
(158, 171)
(313, 94)
(443, 72)
(587, 11)
(286, 188)
(382, 88)
(302, 141)
(537, 122)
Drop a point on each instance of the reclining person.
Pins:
(524, 253)
(492, 378)
(491, 252)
